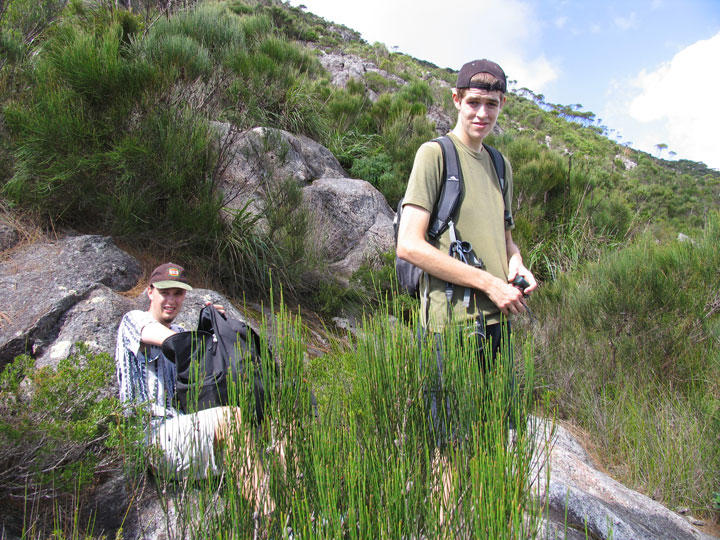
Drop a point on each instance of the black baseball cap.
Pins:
(469, 70)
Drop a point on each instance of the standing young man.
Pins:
(182, 444)
(479, 97)
(483, 219)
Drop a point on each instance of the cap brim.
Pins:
(169, 284)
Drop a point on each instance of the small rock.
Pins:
(9, 237)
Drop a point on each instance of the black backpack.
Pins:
(207, 358)
(408, 275)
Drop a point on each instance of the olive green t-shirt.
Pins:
(479, 220)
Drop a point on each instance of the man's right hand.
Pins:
(507, 297)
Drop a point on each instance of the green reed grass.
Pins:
(371, 464)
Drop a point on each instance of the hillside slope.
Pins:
(106, 129)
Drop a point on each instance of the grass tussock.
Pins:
(629, 349)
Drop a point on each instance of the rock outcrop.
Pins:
(41, 282)
(352, 220)
(344, 67)
(582, 499)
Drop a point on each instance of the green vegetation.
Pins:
(109, 125)
(56, 426)
(368, 465)
(629, 349)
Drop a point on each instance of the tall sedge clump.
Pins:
(410, 470)
(374, 460)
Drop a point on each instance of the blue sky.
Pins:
(648, 68)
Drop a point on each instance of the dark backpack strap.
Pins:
(499, 164)
(451, 189)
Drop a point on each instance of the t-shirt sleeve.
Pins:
(426, 177)
(130, 331)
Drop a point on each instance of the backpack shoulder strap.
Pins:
(499, 164)
(450, 191)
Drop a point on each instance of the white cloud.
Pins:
(506, 31)
(626, 23)
(680, 97)
(560, 22)
(510, 36)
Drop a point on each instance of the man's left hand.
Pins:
(220, 308)
(520, 270)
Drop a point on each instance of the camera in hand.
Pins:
(521, 283)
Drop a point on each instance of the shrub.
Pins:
(274, 88)
(93, 69)
(610, 216)
(178, 56)
(643, 320)
(55, 429)
(210, 25)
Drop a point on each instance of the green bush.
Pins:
(274, 88)
(610, 216)
(377, 141)
(178, 56)
(56, 429)
(208, 24)
(643, 320)
(93, 68)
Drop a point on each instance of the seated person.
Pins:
(184, 444)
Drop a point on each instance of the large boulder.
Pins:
(354, 221)
(580, 498)
(344, 67)
(42, 281)
(93, 320)
(253, 159)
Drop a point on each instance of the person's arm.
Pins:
(414, 248)
(515, 263)
(154, 333)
